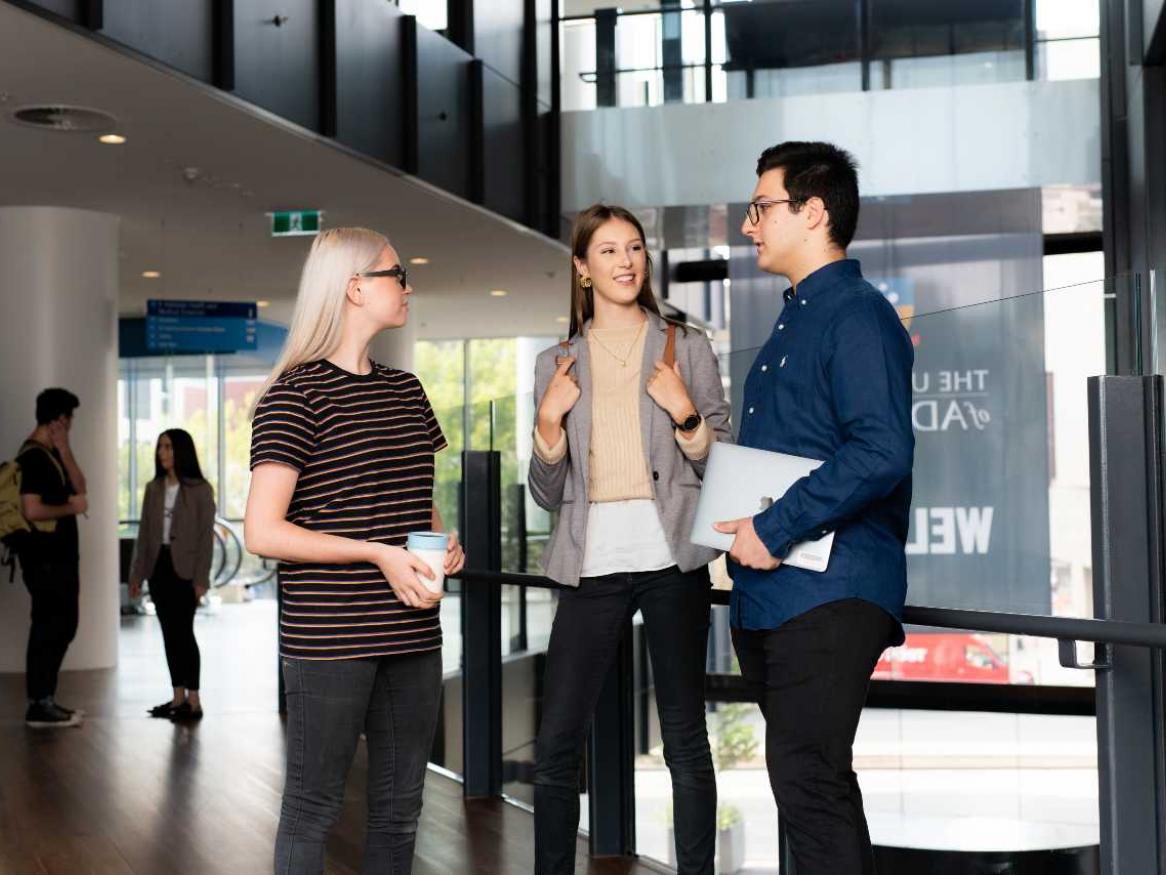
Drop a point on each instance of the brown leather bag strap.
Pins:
(670, 346)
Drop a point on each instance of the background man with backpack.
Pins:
(52, 494)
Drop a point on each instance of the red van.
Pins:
(943, 656)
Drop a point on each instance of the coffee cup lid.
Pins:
(428, 541)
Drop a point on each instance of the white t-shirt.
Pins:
(168, 510)
(624, 536)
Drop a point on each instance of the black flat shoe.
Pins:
(184, 713)
(164, 710)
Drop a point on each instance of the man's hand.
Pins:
(78, 505)
(748, 550)
(59, 436)
(135, 589)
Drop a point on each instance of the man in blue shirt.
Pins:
(833, 383)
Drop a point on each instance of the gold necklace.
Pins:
(623, 362)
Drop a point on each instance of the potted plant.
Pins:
(730, 839)
(734, 742)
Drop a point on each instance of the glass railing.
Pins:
(1000, 522)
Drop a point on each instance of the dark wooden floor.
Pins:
(126, 794)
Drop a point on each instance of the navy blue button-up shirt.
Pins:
(833, 382)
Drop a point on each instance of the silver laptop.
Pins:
(741, 482)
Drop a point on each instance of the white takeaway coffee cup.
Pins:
(430, 548)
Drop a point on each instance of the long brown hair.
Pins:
(586, 224)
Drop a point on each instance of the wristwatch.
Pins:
(690, 423)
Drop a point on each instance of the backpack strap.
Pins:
(34, 445)
(670, 345)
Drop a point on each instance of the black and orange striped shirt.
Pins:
(364, 446)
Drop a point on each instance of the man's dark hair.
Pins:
(54, 403)
(823, 171)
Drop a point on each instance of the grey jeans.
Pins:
(393, 701)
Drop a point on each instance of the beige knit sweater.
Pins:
(617, 467)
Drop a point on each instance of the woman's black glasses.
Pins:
(397, 271)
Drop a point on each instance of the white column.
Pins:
(394, 346)
(58, 306)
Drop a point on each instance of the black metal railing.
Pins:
(1126, 422)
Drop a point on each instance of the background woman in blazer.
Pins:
(173, 551)
(621, 439)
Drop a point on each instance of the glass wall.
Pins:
(1000, 522)
(211, 397)
(656, 53)
(482, 392)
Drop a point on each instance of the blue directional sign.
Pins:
(177, 327)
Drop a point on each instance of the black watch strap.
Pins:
(690, 423)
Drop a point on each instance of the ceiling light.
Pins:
(419, 260)
(498, 293)
(563, 319)
(151, 274)
(263, 303)
(112, 139)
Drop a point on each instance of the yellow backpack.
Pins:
(15, 530)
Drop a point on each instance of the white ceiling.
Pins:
(210, 237)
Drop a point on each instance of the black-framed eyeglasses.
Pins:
(397, 271)
(756, 209)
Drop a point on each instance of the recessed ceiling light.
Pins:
(562, 319)
(151, 274)
(112, 139)
(263, 303)
(498, 293)
(420, 259)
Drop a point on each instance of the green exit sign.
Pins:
(295, 223)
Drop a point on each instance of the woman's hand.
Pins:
(455, 556)
(561, 394)
(200, 589)
(135, 588)
(666, 387)
(401, 569)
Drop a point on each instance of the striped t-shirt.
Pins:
(364, 446)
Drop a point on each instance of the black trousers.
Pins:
(584, 641)
(811, 677)
(394, 701)
(175, 602)
(54, 585)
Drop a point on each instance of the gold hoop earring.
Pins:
(585, 282)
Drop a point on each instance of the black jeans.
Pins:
(175, 603)
(584, 641)
(811, 676)
(54, 585)
(393, 701)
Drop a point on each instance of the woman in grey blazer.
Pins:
(628, 408)
(173, 551)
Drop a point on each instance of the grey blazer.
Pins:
(192, 532)
(675, 479)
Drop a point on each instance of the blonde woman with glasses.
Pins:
(342, 472)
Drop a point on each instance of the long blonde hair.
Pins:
(318, 319)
